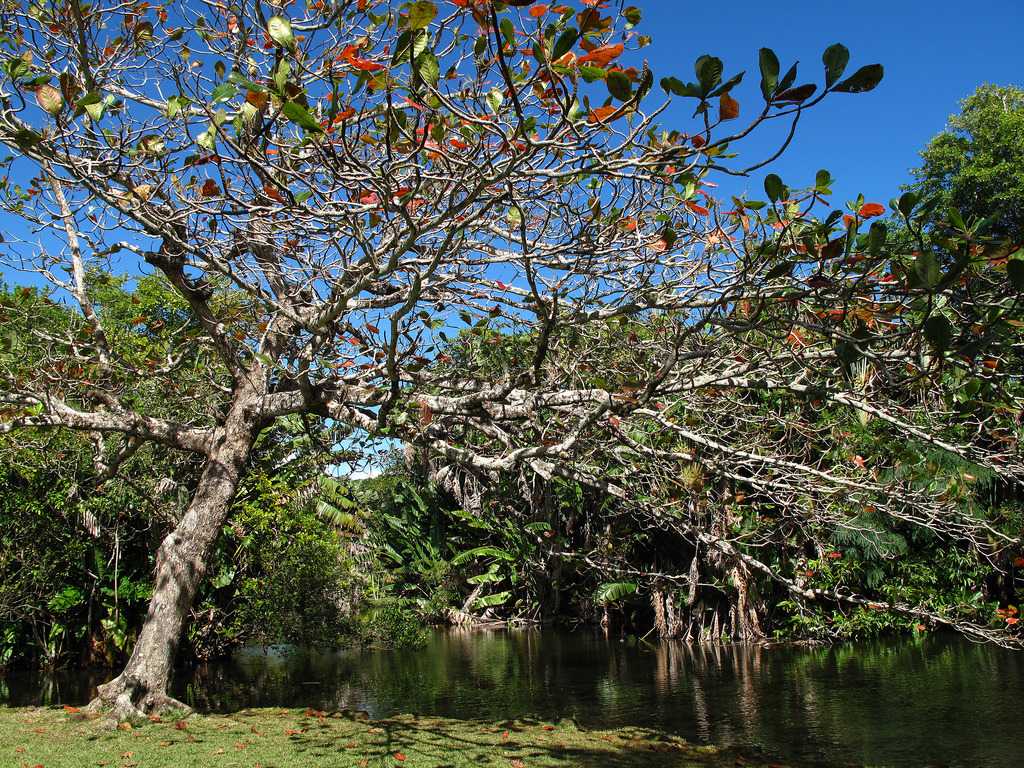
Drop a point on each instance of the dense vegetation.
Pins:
(262, 247)
(309, 558)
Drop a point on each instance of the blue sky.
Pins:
(934, 53)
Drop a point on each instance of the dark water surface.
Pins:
(934, 702)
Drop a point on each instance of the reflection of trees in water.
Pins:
(880, 703)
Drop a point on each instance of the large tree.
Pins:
(977, 163)
(334, 193)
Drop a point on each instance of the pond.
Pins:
(931, 702)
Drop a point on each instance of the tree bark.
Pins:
(181, 564)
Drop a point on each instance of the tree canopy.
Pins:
(464, 226)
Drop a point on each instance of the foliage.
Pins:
(977, 164)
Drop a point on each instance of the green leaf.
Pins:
(796, 95)
(508, 31)
(728, 85)
(863, 80)
(787, 79)
(421, 14)
(223, 92)
(774, 188)
(564, 43)
(485, 551)
(611, 592)
(208, 138)
(237, 78)
(835, 59)
(939, 332)
(679, 88)
(926, 267)
(769, 64)
(876, 237)
(280, 31)
(428, 68)
(301, 116)
(823, 182)
(1015, 271)
(499, 598)
(907, 203)
(495, 98)
(619, 85)
(591, 73)
(709, 72)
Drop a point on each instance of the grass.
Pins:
(282, 738)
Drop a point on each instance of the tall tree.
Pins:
(332, 194)
(976, 165)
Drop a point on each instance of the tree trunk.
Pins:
(181, 565)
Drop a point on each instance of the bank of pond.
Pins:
(932, 701)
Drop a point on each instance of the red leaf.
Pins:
(870, 210)
(603, 55)
(538, 10)
(700, 210)
(728, 107)
(271, 191)
(210, 188)
(600, 114)
(399, 757)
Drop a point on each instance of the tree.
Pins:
(977, 164)
(332, 195)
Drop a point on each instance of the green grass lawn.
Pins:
(279, 738)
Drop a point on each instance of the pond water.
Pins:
(931, 702)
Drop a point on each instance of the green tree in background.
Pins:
(976, 165)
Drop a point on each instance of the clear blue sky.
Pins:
(934, 54)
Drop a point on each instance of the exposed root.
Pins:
(127, 699)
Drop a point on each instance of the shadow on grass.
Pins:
(276, 738)
(448, 743)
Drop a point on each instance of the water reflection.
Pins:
(931, 702)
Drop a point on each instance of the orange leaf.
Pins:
(870, 210)
(700, 210)
(600, 114)
(257, 98)
(399, 757)
(603, 55)
(728, 107)
(538, 10)
(360, 64)
(272, 192)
